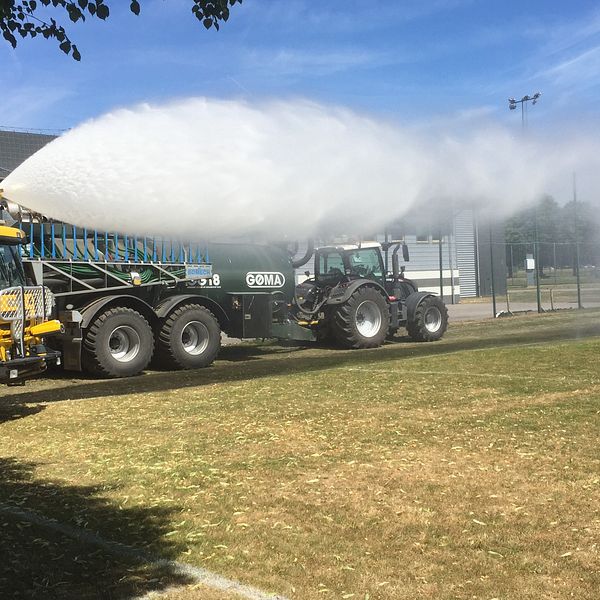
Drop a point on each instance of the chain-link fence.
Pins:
(550, 276)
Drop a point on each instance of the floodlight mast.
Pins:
(512, 105)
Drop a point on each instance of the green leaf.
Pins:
(102, 11)
(76, 54)
(66, 46)
(135, 7)
(74, 13)
(207, 23)
(10, 38)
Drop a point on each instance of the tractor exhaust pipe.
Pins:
(310, 249)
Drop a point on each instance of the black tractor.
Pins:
(353, 301)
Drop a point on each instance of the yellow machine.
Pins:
(24, 315)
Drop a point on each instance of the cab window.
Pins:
(11, 270)
(331, 264)
(366, 262)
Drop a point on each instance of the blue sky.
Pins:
(419, 62)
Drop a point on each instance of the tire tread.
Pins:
(91, 360)
(343, 328)
(165, 357)
(416, 327)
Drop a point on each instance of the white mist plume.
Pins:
(206, 168)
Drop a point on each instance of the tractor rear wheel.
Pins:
(362, 321)
(189, 338)
(430, 320)
(118, 343)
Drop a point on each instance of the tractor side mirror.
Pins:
(405, 253)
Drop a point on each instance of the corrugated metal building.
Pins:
(459, 253)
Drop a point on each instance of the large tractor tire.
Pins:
(430, 320)
(189, 338)
(362, 321)
(118, 343)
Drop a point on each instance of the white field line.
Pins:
(195, 574)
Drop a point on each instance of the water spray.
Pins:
(205, 168)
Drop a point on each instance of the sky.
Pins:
(425, 63)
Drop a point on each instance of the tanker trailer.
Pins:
(129, 301)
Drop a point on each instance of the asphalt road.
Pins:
(475, 311)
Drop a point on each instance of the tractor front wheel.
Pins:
(430, 321)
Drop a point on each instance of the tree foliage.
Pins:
(23, 17)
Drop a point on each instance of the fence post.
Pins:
(579, 305)
(536, 256)
(441, 266)
(492, 272)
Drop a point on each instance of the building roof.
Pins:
(17, 146)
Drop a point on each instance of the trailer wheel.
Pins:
(362, 321)
(118, 343)
(189, 338)
(430, 320)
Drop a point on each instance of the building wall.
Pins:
(424, 266)
(466, 253)
(17, 146)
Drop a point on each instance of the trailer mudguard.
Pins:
(413, 301)
(342, 292)
(93, 308)
(167, 305)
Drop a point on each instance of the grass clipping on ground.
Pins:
(468, 468)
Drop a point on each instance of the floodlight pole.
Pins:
(512, 104)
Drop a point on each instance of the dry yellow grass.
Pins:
(457, 470)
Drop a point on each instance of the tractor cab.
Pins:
(11, 267)
(349, 261)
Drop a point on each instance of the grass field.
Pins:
(463, 469)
